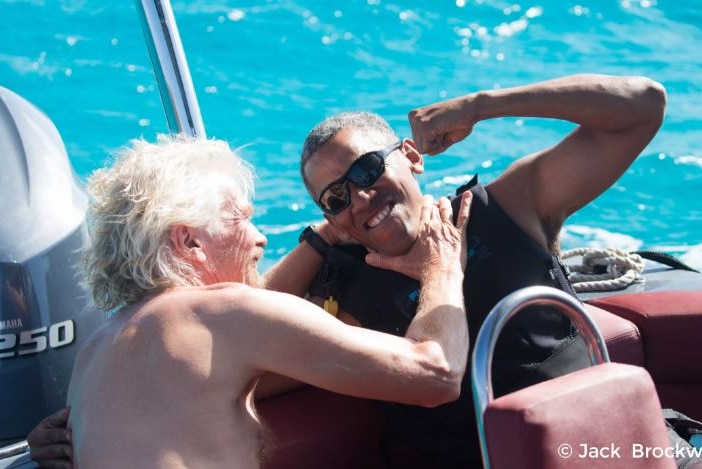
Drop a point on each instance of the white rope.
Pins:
(621, 269)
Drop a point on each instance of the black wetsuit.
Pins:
(501, 259)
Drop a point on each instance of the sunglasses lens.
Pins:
(335, 198)
(336, 205)
(366, 169)
(364, 172)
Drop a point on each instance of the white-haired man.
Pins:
(168, 380)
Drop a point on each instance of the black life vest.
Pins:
(501, 259)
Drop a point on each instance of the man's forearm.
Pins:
(441, 317)
(294, 273)
(599, 102)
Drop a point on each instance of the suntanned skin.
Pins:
(168, 381)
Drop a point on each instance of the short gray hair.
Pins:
(329, 127)
(135, 202)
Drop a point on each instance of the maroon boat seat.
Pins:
(671, 329)
(311, 428)
(608, 415)
(611, 407)
(623, 338)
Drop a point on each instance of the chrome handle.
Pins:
(508, 307)
(14, 449)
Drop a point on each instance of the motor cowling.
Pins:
(44, 313)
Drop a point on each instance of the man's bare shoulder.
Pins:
(178, 302)
(185, 325)
(514, 192)
(220, 298)
(220, 307)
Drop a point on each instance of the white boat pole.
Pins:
(170, 67)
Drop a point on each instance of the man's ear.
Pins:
(409, 148)
(186, 243)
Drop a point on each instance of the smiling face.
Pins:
(384, 216)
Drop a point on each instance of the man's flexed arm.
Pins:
(616, 116)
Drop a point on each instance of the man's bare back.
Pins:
(149, 376)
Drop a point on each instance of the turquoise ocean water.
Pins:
(266, 72)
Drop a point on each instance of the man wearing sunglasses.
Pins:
(362, 176)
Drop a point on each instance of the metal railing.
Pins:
(170, 67)
(14, 449)
(507, 308)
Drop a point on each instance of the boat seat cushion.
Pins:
(311, 428)
(622, 337)
(530, 428)
(670, 323)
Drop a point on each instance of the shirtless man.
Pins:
(167, 381)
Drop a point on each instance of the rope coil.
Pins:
(603, 269)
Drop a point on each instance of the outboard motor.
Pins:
(44, 313)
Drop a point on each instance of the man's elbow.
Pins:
(447, 391)
(653, 98)
(444, 377)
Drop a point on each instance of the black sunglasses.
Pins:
(363, 172)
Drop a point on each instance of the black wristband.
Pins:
(315, 241)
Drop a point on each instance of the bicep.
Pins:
(584, 165)
(306, 344)
(552, 184)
